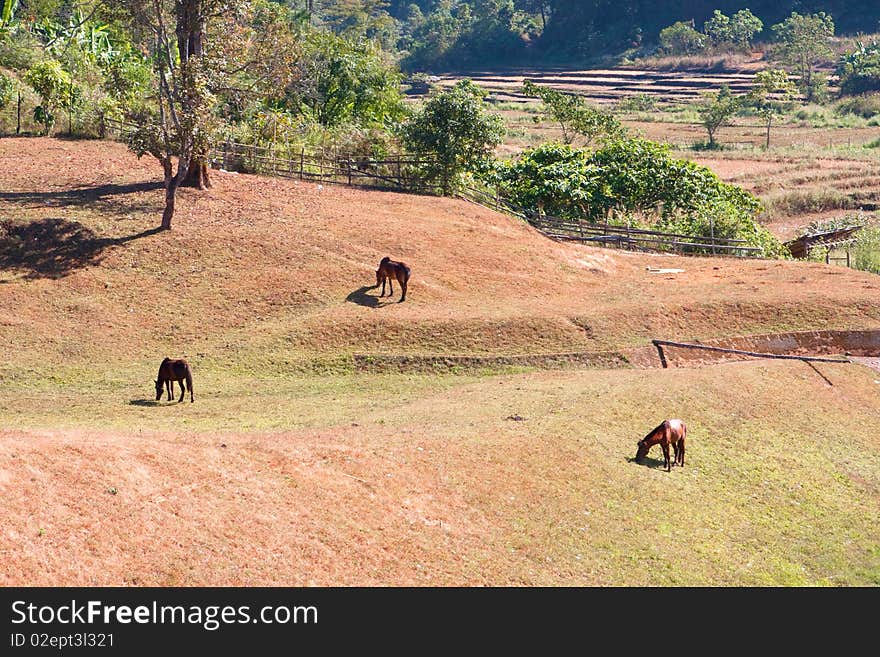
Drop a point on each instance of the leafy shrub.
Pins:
(682, 39)
(633, 178)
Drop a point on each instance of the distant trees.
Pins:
(772, 94)
(681, 38)
(574, 116)
(735, 31)
(803, 42)
(859, 69)
(454, 127)
(717, 110)
(720, 33)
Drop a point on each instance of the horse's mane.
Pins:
(655, 430)
(385, 260)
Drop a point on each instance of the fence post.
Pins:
(18, 116)
(302, 155)
(348, 166)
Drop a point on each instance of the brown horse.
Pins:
(668, 432)
(390, 270)
(171, 371)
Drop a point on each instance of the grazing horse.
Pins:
(390, 270)
(668, 432)
(171, 371)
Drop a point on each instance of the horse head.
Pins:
(158, 389)
(642, 452)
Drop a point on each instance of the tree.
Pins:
(717, 110)
(574, 116)
(804, 41)
(186, 78)
(55, 88)
(736, 31)
(454, 127)
(346, 82)
(859, 69)
(682, 39)
(771, 95)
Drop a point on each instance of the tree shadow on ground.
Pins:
(54, 247)
(82, 196)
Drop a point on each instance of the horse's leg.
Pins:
(391, 286)
(182, 390)
(681, 442)
(675, 451)
(403, 287)
(383, 287)
(169, 386)
(665, 446)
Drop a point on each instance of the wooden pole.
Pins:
(755, 354)
(18, 116)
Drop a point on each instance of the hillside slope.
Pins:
(272, 272)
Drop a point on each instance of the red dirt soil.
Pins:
(281, 266)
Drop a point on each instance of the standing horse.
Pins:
(390, 270)
(668, 432)
(171, 371)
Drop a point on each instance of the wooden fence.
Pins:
(405, 172)
(639, 239)
(400, 172)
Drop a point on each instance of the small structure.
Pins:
(828, 240)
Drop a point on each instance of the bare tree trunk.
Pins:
(171, 185)
(197, 175)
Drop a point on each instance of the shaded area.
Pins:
(81, 196)
(143, 402)
(650, 462)
(361, 298)
(53, 247)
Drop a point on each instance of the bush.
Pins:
(867, 106)
(633, 178)
(682, 39)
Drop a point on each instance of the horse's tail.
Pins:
(406, 272)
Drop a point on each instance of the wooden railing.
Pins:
(640, 239)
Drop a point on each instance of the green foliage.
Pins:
(866, 250)
(7, 90)
(682, 39)
(859, 69)
(717, 110)
(866, 106)
(574, 116)
(804, 42)
(735, 31)
(455, 127)
(55, 88)
(637, 103)
(554, 179)
(771, 95)
(346, 82)
(631, 179)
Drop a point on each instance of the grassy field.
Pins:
(292, 467)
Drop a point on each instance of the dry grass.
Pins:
(291, 469)
(433, 483)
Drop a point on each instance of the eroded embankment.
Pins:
(803, 343)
